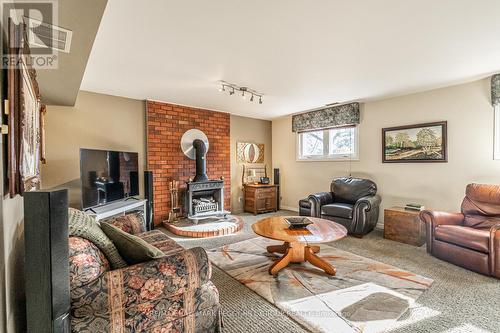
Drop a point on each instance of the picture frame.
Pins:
(29, 131)
(418, 143)
(249, 152)
(25, 118)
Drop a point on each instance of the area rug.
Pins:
(364, 296)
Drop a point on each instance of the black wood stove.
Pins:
(204, 198)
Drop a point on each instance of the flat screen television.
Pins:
(107, 176)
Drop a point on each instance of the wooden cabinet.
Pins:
(260, 198)
(404, 226)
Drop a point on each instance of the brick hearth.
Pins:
(165, 125)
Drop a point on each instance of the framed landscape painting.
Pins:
(415, 143)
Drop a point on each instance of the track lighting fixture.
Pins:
(232, 88)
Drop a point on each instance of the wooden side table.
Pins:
(260, 198)
(404, 226)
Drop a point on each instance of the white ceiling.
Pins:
(301, 54)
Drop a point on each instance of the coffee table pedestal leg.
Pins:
(278, 248)
(318, 262)
(297, 252)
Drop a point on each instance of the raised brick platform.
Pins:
(211, 227)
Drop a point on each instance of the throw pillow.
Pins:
(133, 222)
(83, 225)
(132, 248)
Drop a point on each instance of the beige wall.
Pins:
(245, 129)
(441, 186)
(109, 122)
(96, 121)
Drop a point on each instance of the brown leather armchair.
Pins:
(470, 239)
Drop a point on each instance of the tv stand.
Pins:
(117, 208)
(90, 210)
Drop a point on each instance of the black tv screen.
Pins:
(107, 176)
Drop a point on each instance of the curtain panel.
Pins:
(495, 89)
(341, 115)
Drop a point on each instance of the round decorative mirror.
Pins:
(187, 142)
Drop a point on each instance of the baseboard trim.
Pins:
(293, 209)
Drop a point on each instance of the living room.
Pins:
(260, 167)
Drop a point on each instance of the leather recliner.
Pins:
(470, 239)
(352, 202)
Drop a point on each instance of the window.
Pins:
(340, 143)
(496, 154)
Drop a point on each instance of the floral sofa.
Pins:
(171, 294)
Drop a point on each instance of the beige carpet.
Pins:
(459, 301)
(364, 296)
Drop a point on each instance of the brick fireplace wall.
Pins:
(166, 123)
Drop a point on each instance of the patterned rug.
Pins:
(364, 296)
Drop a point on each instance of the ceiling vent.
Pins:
(41, 34)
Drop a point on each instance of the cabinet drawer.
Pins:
(271, 203)
(265, 195)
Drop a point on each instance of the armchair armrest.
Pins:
(150, 281)
(317, 200)
(495, 250)
(365, 215)
(368, 202)
(432, 219)
(441, 218)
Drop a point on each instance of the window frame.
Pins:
(326, 146)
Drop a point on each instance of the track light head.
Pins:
(245, 91)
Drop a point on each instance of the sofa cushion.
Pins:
(132, 248)
(474, 239)
(83, 225)
(86, 262)
(141, 297)
(343, 210)
(133, 223)
(161, 241)
(304, 203)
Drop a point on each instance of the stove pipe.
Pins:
(201, 163)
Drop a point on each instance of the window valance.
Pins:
(340, 115)
(495, 89)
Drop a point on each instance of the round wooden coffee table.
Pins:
(297, 242)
